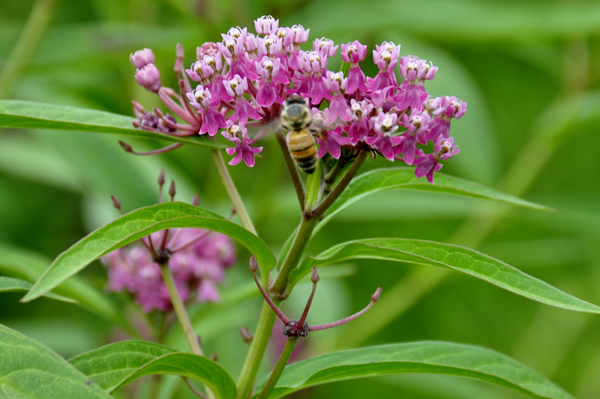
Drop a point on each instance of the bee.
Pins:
(296, 118)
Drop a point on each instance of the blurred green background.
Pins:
(529, 71)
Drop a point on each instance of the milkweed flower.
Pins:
(244, 80)
(197, 269)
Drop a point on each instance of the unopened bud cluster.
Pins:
(243, 81)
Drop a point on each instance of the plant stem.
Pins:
(313, 188)
(292, 259)
(32, 32)
(279, 367)
(291, 166)
(188, 330)
(307, 225)
(257, 350)
(232, 192)
(267, 317)
(182, 317)
(341, 186)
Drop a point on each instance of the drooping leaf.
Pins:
(454, 257)
(404, 178)
(26, 114)
(29, 370)
(8, 284)
(30, 266)
(137, 224)
(417, 357)
(116, 365)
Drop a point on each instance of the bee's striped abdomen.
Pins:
(304, 149)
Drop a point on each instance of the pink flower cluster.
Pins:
(198, 263)
(243, 81)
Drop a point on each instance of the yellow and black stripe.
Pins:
(303, 149)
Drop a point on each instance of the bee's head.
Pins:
(295, 115)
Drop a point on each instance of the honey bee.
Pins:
(296, 118)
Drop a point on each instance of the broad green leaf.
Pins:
(30, 370)
(30, 266)
(404, 178)
(417, 357)
(110, 365)
(116, 365)
(25, 114)
(137, 224)
(8, 284)
(450, 256)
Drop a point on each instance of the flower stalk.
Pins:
(184, 321)
(288, 349)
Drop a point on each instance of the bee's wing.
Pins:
(270, 128)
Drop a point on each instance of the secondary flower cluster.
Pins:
(197, 259)
(196, 269)
(243, 81)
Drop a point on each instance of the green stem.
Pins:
(292, 169)
(279, 367)
(182, 317)
(257, 351)
(232, 192)
(307, 225)
(26, 45)
(293, 257)
(313, 185)
(267, 317)
(341, 186)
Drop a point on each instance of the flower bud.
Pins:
(141, 58)
(148, 77)
(253, 264)
(314, 276)
(376, 295)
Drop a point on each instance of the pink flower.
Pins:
(243, 110)
(266, 25)
(269, 71)
(242, 149)
(330, 142)
(338, 107)
(325, 46)
(416, 125)
(212, 119)
(384, 125)
(195, 267)
(444, 109)
(385, 57)
(444, 149)
(413, 94)
(316, 63)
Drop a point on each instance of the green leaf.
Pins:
(111, 364)
(30, 370)
(26, 114)
(30, 266)
(450, 256)
(417, 357)
(116, 365)
(137, 224)
(8, 284)
(404, 178)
